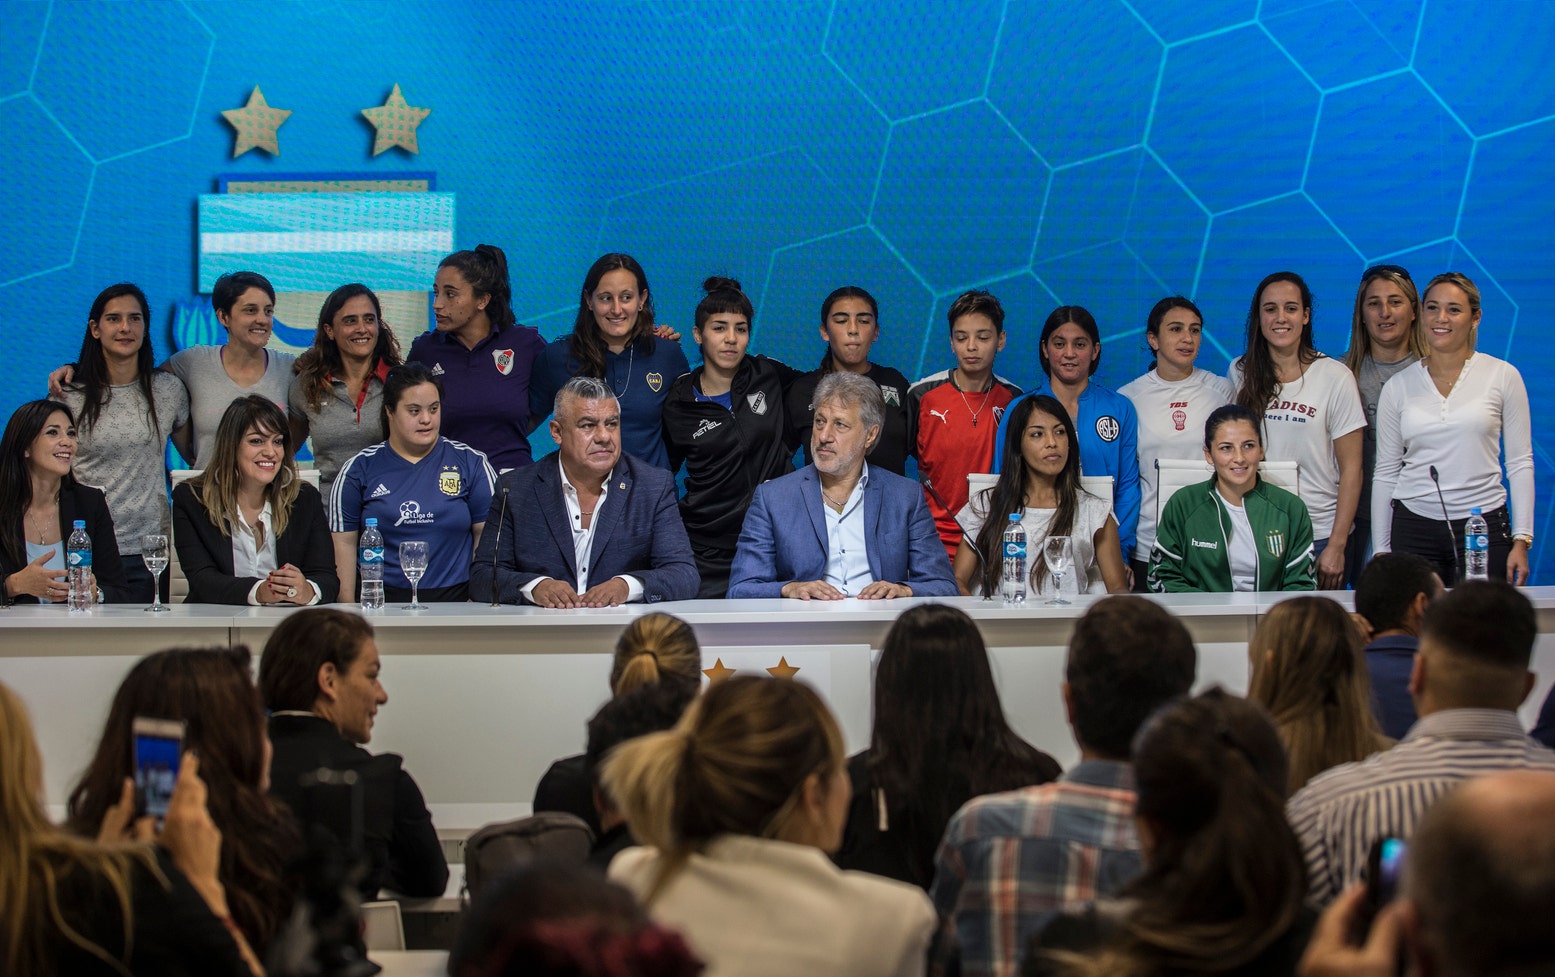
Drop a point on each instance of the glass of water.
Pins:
(1059, 555)
(153, 551)
(413, 561)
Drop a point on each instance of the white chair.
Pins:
(1175, 473)
(383, 928)
(1098, 485)
(177, 583)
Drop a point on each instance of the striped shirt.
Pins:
(1341, 812)
(1010, 860)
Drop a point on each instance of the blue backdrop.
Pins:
(1086, 151)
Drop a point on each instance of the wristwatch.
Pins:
(1525, 538)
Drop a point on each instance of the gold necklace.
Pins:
(839, 506)
(41, 530)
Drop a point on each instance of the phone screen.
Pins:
(1390, 861)
(156, 770)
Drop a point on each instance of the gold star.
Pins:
(783, 669)
(396, 122)
(718, 672)
(256, 124)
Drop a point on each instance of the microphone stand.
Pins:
(497, 546)
(971, 543)
(1457, 561)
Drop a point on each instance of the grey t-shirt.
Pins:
(1370, 379)
(338, 429)
(211, 390)
(124, 457)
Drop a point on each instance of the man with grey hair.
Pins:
(587, 526)
(837, 527)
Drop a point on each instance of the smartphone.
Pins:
(159, 743)
(1384, 866)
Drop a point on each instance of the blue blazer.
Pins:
(638, 532)
(784, 536)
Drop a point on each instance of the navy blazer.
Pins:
(784, 537)
(637, 531)
(205, 554)
(78, 501)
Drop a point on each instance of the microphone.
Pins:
(1457, 561)
(502, 517)
(929, 487)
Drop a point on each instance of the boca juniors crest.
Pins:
(449, 482)
(655, 381)
(504, 359)
(1274, 542)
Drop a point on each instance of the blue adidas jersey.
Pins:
(436, 499)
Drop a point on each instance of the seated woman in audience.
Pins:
(940, 738)
(850, 326)
(72, 906)
(125, 412)
(1308, 409)
(337, 395)
(1104, 421)
(1170, 400)
(1309, 672)
(1235, 532)
(740, 803)
(1224, 883)
(725, 421)
(613, 338)
(419, 485)
(1042, 483)
(319, 681)
(652, 647)
(249, 530)
(212, 692)
(40, 500)
(1442, 427)
(551, 920)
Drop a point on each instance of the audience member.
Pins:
(1009, 860)
(1470, 675)
(319, 680)
(549, 920)
(869, 534)
(1223, 883)
(741, 802)
(1310, 674)
(212, 693)
(939, 739)
(588, 526)
(1391, 595)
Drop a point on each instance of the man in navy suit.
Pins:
(587, 526)
(838, 527)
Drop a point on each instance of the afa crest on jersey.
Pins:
(449, 482)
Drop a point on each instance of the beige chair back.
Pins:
(1173, 474)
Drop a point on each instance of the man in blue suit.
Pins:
(587, 526)
(837, 527)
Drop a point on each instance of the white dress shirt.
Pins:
(583, 540)
(847, 548)
(250, 559)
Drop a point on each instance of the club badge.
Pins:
(504, 360)
(655, 381)
(1107, 428)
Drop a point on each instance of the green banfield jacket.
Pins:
(1191, 541)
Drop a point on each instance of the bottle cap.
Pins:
(81, 523)
(1474, 512)
(1014, 517)
(372, 520)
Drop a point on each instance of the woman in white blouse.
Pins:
(1441, 427)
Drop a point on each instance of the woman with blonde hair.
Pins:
(1309, 672)
(740, 805)
(76, 906)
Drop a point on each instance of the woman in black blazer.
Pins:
(249, 530)
(40, 500)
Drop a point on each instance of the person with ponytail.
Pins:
(739, 806)
(1042, 483)
(726, 422)
(653, 648)
(1224, 885)
(614, 339)
(484, 356)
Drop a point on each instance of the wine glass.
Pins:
(1058, 555)
(153, 551)
(413, 561)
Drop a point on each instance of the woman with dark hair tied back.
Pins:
(850, 327)
(125, 412)
(1309, 672)
(1308, 410)
(726, 422)
(1224, 884)
(483, 355)
(740, 804)
(614, 339)
(940, 738)
(337, 395)
(212, 692)
(40, 501)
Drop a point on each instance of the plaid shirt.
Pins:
(1009, 860)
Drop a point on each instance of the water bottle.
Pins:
(369, 566)
(1012, 585)
(78, 567)
(1476, 547)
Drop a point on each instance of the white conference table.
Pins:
(482, 699)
